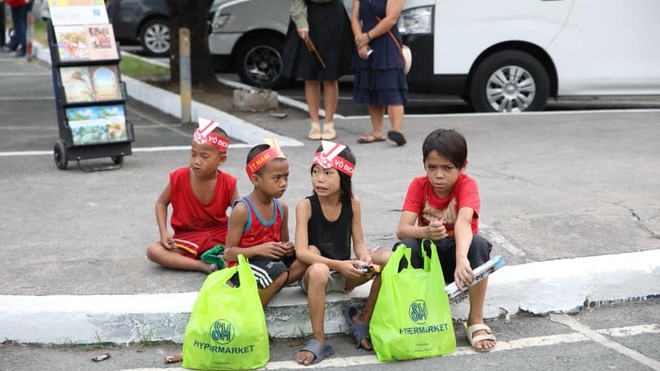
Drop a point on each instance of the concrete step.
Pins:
(553, 286)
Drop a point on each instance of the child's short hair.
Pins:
(447, 143)
(345, 183)
(220, 131)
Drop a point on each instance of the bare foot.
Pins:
(209, 268)
(484, 344)
(364, 343)
(305, 357)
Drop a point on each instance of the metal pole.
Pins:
(184, 75)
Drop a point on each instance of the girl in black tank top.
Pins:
(326, 224)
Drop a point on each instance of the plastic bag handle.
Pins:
(245, 275)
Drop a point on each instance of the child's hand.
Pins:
(367, 259)
(436, 230)
(167, 241)
(349, 268)
(273, 250)
(463, 274)
(289, 247)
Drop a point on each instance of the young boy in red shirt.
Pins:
(443, 206)
(258, 225)
(200, 195)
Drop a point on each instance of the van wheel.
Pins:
(155, 37)
(509, 81)
(259, 62)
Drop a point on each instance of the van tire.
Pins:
(259, 62)
(531, 95)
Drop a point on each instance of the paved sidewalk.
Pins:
(569, 200)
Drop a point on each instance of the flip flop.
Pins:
(396, 137)
(470, 330)
(360, 330)
(370, 138)
(319, 351)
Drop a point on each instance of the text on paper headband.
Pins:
(329, 158)
(204, 134)
(264, 157)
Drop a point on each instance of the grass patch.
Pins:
(138, 69)
(39, 33)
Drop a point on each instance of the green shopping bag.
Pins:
(227, 327)
(412, 317)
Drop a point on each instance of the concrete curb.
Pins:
(530, 287)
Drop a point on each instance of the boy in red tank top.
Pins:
(200, 195)
(258, 225)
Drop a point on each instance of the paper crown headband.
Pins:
(204, 134)
(329, 158)
(264, 157)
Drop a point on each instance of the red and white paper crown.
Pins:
(204, 134)
(266, 156)
(329, 158)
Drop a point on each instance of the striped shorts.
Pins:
(265, 271)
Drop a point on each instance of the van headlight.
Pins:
(416, 20)
(219, 21)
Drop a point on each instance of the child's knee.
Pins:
(382, 257)
(317, 273)
(152, 251)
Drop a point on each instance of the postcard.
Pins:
(71, 12)
(86, 43)
(90, 83)
(97, 124)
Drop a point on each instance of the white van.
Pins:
(511, 55)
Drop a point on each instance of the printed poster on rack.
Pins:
(86, 43)
(69, 12)
(97, 124)
(90, 83)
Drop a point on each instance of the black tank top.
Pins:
(333, 239)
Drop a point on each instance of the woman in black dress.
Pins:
(327, 25)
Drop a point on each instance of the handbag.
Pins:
(412, 317)
(404, 50)
(227, 327)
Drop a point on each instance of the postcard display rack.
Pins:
(90, 96)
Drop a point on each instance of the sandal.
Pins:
(370, 138)
(397, 137)
(319, 351)
(470, 330)
(360, 330)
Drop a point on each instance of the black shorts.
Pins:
(478, 254)
(264, 270)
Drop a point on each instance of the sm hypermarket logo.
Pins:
(417, 312)
(222, 332)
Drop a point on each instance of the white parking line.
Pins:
(602, 340)
(583, 334)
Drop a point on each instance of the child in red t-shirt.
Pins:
(258, 225)
(443, 206)
(200, 195)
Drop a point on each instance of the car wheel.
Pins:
(155, 37)
(259, 62)
(509, 81)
